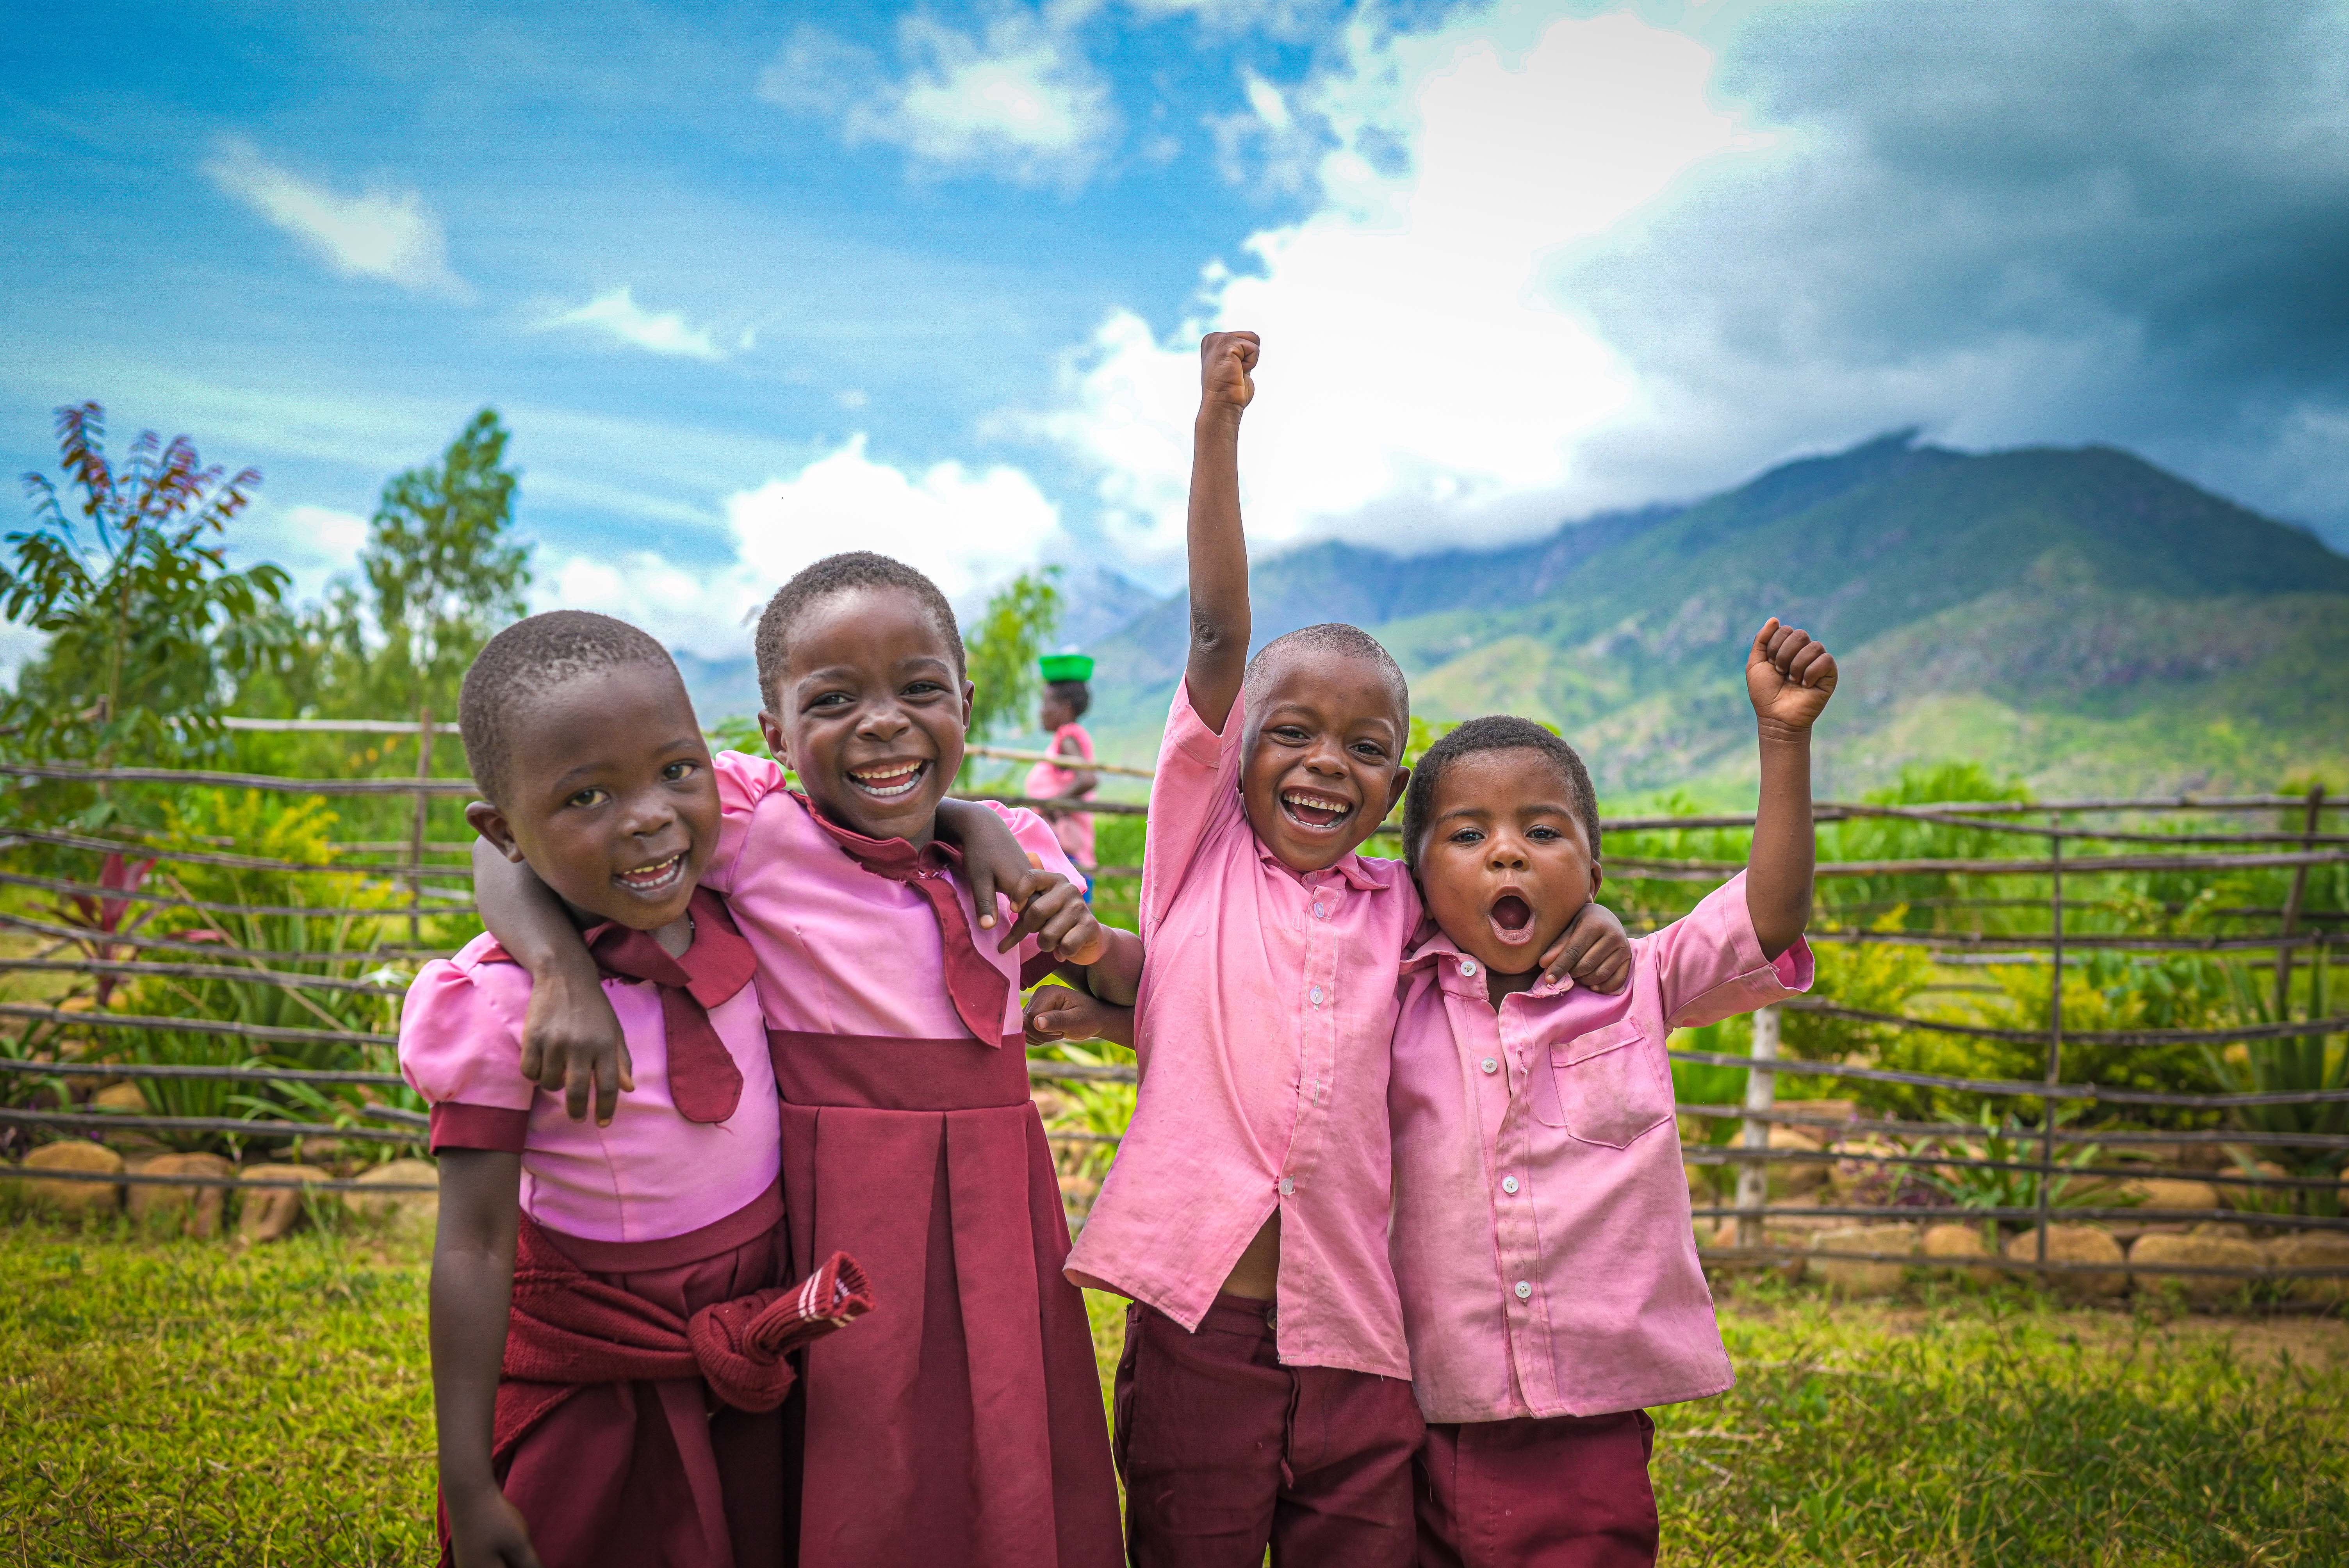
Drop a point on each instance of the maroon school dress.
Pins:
(961, 1423)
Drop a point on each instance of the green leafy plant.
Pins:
(1004, 644)
(2007, 1141)
(2310, 1063)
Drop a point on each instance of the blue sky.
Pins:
(751, 283)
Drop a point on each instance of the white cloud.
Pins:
(1019, 99)
(966, 527)
(380, 234)
(1418, 388)
(616, 315)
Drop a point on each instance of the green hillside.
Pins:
(2076, 616)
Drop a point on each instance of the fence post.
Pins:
(1761, 1093)
(416, 832)
(2292, 905)
(2054, 1033)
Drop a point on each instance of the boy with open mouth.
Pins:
(1264, 1397)
(1542, 1240)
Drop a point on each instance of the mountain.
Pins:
(2076, 616)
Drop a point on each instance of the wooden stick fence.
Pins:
(1927, 1144)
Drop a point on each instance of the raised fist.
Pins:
(1788, 676)
(1225, 360)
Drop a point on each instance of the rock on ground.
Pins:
(1953, 1239)
(75, 1197)
(418, 1210)
(2170, 1193)
(1849, 1277)
(2200, 1251)
(2313, 1249)
(2075, 1244)
(188, 1210)
(272, 1202)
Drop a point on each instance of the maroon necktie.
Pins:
(703, 1081)
(980, 991)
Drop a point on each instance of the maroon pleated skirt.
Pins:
(961, 1422)
(632, 1474)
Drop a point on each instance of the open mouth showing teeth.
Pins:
(889, 781)
(1312, 810)
(1511, 915)
(656, 878)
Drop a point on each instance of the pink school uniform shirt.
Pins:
(652, 1174)
(1542, 1237)
(830, 935)
(1048, 780)
(1267, 1007)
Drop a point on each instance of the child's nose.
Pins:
(1508, 854)
(883, 721)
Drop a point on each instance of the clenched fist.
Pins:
(1225, 360)
(1788, 676)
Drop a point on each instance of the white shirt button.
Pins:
(1508, 1184)
(1468, 967)
(1524, 1291)
(1317, 912)
(1489, 1064)
(1287, 1186)
(1316, 995)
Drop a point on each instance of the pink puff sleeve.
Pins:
(459, 1050)
(742, 783)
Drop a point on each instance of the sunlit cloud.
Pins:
(379, 233)
(616, 316)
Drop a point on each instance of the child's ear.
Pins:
(969, 692)
(1597, 877)
(1395, 795)
(772, 729)
(491, 824)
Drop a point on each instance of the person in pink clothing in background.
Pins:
(1264, 1396)
(1066, 697)
(966, 1429)
(1542, 1239)
(578, 1271)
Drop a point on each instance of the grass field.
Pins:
(182, 1403)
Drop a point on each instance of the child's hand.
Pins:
(1054, 910)
(1593, 949)
(1788, 676)
(1064, 1013)
(571, 1043)
(1225, 360)
(485, 1530)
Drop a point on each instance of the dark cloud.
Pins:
(2118, 220)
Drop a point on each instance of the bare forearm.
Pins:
(1117, 977)
(529, 921)
(1218, 558)
(472, 1294)
(1778, 875)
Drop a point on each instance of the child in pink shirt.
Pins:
(968, 1428)
(1542, 1239)
(1066, 697)
(607, 1305)
(1264, 1396)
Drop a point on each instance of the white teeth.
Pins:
(883, 782)
(656, 873)
(1314, 803)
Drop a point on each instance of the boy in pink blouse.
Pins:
(606, 1302)
(1264, 1396)
(1542, 1239)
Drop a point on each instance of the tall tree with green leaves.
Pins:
(147, 623)
(1012, 630)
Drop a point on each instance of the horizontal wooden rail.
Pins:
(2286, 1030)
(268, 1033)
(2083, 1091)
(198, 1071)
(269, 781)
(1962, 1215)
(100, 892)
(1637, 868)
(137, 849)
(339, 726)
(86, 937)
(233, 1125)
(141, 1179)
(1013, 754)
(1717, 1255)
(199, 972)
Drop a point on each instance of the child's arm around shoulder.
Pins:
(571, 1043)
(1051, 906)
(1216, 545)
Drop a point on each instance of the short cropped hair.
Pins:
(1494, 732)
(1331, 636)
(530, 657)
(1076, 694)
(843, 573)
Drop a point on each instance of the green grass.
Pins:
(184, 1403)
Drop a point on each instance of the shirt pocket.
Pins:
(1611, 1086)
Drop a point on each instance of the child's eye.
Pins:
(829, 699)
(923, 689)
(591, 796)
(1469, 836)
(676, 770)
(1544, 835)
(1293, 734)
(1371, 749)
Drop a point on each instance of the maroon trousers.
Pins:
(1567, 1492)
(1225, 1450)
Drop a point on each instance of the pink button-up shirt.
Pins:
(651, 1174)
(841, 950)
(1542, 1237)
(1267, 1004)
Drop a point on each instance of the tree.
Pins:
(444, 568)
(1003, 647)
(148, 625)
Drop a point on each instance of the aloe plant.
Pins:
(2301, 1064)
